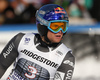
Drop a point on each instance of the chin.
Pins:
(56, 41)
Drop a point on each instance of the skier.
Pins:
(40, 56)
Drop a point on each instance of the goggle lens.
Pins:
(56, 26)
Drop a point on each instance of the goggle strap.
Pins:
(44, 22)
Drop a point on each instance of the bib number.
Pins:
(33, 72)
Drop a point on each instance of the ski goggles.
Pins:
(58, 25)
(50, 24)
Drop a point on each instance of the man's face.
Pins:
(55, 37)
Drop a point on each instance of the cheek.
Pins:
(50, 35)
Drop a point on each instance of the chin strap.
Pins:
(47, 40)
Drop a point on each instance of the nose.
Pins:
(60, 32)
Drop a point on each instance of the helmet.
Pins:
(50, 13)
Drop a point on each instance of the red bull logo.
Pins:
(59, 10)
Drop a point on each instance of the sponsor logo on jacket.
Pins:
(40, 58)
(7, 52)
(69, 63)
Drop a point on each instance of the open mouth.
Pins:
(58, 36)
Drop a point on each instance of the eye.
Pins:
(55, 25)
(62, 25)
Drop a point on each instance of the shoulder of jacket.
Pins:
(64, 47)
(24, 35)
(29, 34)
(27, 39)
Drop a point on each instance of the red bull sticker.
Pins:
(59, 10)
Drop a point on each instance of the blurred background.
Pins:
(83, 35)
